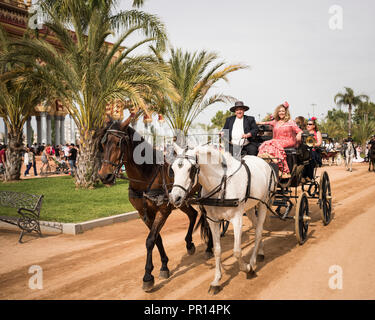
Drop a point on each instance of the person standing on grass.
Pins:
(72, 159)
(33, 153)
(28, 161)
(66, 151)
(45, 162)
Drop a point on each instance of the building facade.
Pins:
(54, 125)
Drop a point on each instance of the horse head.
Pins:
(185, 169)
(112, 145)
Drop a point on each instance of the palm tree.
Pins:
(365, 111)
(362, 131)
(18, 97)
(336, 129)
(193, 75)
(88, 73)
(351, 100)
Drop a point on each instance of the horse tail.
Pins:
(202, 222)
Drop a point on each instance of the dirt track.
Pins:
(108, 262)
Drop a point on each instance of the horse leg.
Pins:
(215, 230)
(237, 229)
(262, 210)
(192, 214)
(157, 224)
(252, 217)
(164, 271)
(210, 244)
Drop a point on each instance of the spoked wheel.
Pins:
(325, 198)
(302, 218)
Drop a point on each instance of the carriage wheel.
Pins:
(302, 218)
(325, 198)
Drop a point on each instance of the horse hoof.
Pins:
(208, 255)
(191, 251)
(148, 285)
(260, 257)
(214, 290)
(164, 274)
(251, 274)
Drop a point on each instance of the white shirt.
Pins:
(26, 158)
(237, 131)
(66, 151)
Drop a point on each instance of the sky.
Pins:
(300, 51)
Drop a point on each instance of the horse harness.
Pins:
(207, 199)
(221, 201)
(159, 195)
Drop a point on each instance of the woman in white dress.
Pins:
(358, 158)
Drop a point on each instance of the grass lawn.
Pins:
(63, 203)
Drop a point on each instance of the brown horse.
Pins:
(149, 186)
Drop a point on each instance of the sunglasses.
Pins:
(310, 124)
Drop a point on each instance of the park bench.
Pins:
(28, 206)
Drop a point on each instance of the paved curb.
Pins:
(78, 228)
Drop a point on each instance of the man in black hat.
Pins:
(240, 131)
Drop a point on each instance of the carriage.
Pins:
(151, 194)
(331, 156)
(286, 197)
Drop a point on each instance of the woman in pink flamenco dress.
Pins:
(286, 134)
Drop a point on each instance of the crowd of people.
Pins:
(62, 156)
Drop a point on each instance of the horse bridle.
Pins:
(121, 135)
(193, 173)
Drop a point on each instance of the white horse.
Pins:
(208, 166)
(349, 155)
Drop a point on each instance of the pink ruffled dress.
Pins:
(284, 136)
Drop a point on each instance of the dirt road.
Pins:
(108, 262)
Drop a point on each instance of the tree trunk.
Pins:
(88, 162)
(350, 119)
(13, 161)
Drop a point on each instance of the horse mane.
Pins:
(147, 168)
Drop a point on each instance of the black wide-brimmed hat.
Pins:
(239, 104)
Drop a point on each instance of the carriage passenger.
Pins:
(240, 130)
(330, 147)
(286, 134)
(301, 122)
(316, 159)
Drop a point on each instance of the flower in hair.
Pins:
(286, 104)
(312, 119)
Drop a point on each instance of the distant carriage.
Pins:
(333, 156)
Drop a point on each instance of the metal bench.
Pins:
(28, 206)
